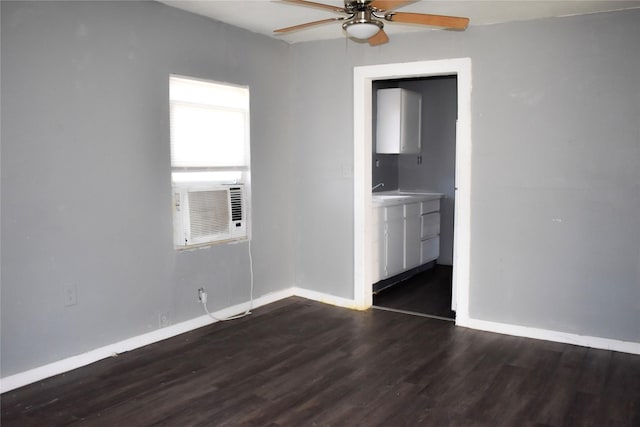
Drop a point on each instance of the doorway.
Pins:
(426, 289)
(363, 250)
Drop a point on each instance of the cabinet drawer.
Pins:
(430, 250)
(430, 225)
(430, 206)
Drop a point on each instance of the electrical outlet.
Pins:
(164, 319)
(347, 170)
(202, 295)
(70, 294)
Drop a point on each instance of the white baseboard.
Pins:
(548, 335)
(325, 298)
(33, 375)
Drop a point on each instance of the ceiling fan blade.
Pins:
(379, 38)
(319, 5)
(390, 4)
(308, 24)
(453, 22)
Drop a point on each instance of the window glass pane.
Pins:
(231, 177)
(207, 136)
(201, 92)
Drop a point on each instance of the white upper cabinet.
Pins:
(398, 126)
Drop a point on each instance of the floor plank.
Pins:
(428, 292)
(298, 363)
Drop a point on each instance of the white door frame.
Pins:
(363, 78)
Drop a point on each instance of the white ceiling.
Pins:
(264, 16)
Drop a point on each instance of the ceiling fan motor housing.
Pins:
(352, 6)
(362, 15)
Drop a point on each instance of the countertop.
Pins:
(400, 197)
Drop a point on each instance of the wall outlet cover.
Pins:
(70, 295)
(164, 319)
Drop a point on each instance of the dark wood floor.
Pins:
(302, 363)
(428, 292)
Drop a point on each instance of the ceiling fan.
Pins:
(363, 20)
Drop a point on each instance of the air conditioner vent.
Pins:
(235, 196)
(209, 214)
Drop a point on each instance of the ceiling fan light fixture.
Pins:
(364, 18)
(362, 30)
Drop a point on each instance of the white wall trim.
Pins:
(363, 78)
(37, 374)
(325, 298)
(33, 375)
(70, 363)
(556, 336)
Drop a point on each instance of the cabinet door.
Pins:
(398, 121)
(388, 121)
(411, 127)
(394, 240)
(378, 263)
(412, 234)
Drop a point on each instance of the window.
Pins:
(210, 161)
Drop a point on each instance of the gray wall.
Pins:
(555, 242)
(86, 190)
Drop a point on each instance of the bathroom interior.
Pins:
(413, 194)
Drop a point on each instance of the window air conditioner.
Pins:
(209, 214)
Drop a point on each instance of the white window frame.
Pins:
(209, 169)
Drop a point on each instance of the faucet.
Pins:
(377, 186)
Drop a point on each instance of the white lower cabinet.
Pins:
(407, 236)
(394, 241)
